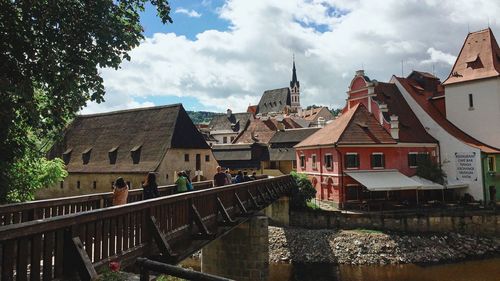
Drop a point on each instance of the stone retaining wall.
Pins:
(473, 222)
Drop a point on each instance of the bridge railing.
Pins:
(42, 209)
(84, 242)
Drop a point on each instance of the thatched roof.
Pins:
(137, 138)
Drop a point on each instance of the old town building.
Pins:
(225, 128)
(98, 148)
(371, 150)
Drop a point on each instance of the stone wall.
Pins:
(469, 222)
(242, 254)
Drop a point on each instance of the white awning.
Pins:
(427, 184)
(385, 180)
(455, 184)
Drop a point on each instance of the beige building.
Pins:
(98, 148)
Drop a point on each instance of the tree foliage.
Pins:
(51, 53)
(430, 170)
(302, 192)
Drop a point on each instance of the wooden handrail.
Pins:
(86, 241)
(40, 209)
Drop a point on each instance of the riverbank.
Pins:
(363, 247)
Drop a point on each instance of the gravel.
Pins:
(359, 247)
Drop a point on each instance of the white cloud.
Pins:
(439, 56)
(232, 68)
(189, 13)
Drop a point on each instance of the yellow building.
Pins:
(98, 148)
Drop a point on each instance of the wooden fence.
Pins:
(85, 242)
(42, 209)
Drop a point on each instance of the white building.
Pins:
(472, 89)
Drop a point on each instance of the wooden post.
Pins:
(76, 259)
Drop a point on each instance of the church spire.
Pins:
(294, 75)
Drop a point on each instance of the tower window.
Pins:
(471, 102)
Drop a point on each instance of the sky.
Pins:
(224, 54)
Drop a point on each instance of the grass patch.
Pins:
(368, 231)
(313, 206)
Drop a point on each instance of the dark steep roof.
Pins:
(149, 131)
(410, 128)
(274, 100)
(293, 135)
(237, 122)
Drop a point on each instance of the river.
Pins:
(476, 270)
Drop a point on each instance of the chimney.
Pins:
(229, 113)
(360, 72)
(383, 109)
(321, 122)
(394, 127)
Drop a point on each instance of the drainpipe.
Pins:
(341, 178)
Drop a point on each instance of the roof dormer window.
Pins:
(66, 156)
(112, 154)
(135, 153)
(86, 155)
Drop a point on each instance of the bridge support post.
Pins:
(242, 254)
(279, 212)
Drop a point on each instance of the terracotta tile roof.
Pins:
(150, 131)
(355, 126)
(312, 114)
(252, 109)
(410, 128)
(479, 58)
(263, 130)
(422, 98)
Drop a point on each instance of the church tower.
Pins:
(295, 90)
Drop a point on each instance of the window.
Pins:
(414, 158)
(94, 185)
(232, 139)
(112, 153)
(378, 161)
(61, 184)
(224, 140)
(313, 157)
(491, 163)
(67, 156)
(135, 153)
(112, 185)
(207, 158)
(302, 161)
(86, 155)
(186, 157)
(471, 102)
(294, 164)
(129, 185)
(78, 184)
(328, 161)
(351, 161)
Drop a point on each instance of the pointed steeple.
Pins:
(294, 75)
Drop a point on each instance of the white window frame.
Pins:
(314, 160)
(494, 168)
(383, 160)
(353, 168)
(331, 162)
(302, 163)
(413, 153)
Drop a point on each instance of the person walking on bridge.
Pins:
(120, 192)
(181, 182)
(220, 179)
(150, 187)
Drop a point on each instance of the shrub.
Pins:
(302, 191)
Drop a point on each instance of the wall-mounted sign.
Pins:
(466, 166)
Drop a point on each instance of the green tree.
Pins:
(302, 192)
(51, 53)
(430, 170)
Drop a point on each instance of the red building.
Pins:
(371, 150)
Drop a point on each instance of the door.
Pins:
(198, 162)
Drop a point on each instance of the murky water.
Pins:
(478, 270)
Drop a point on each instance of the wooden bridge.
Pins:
(57, 238)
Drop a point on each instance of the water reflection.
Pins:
(480, 270)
